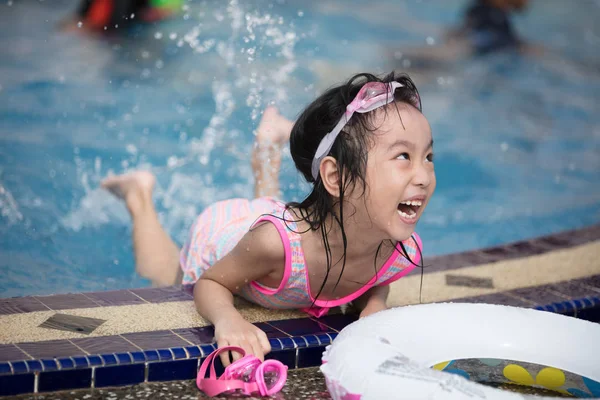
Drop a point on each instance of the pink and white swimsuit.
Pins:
(219, 228)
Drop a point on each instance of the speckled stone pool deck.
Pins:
(100, 340)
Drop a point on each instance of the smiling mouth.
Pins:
(409, 209)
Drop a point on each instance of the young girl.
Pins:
(367, 150)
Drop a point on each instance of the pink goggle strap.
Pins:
(362, 103)
(214, 386)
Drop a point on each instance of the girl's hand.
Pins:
(241, 333)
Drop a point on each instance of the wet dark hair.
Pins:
(350, 150)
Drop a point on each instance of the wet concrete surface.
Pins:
(302, 384)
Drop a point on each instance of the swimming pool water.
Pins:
(517, 139)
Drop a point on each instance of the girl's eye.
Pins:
(430, 157)
(403, 156)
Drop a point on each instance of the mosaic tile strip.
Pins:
(67, 301)
(9, 352)
(115, 298)
(296, 343)
(185, 292)
(164, 294)
(130, 368)
(17, 305)
(509, 251)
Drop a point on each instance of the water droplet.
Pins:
(504, 146)
(158, 35)
(79, 24)
(430, 41)
(245, 280)
(247, 248)
(132, 16)
(300, 13)
(173, 36)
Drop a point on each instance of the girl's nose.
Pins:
(423, 175)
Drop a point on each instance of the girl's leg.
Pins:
(272, 133)
(156, 255)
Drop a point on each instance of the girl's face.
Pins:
(400, 176)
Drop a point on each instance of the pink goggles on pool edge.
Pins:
(371, 96)
(247, 375)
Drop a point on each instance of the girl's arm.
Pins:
(258, 254)
(373, 300)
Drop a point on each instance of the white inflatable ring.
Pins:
(390, 355)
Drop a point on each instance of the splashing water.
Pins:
(517, 140)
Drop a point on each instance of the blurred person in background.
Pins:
(486, 28)
(112, 15)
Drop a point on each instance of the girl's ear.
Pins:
(330, 175)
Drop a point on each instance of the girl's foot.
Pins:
(273, 131)
(135, 188)
(273, 128)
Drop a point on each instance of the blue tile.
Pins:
(270, 330)
(338, 321)
(587, 302)
(312, 340)
(34, 365)
(299, 341)
(178, 353)
(10, 352)
(333, 336)
(66, 363)
(578, 304)
(5, 368)
(94, 361)
(109, 359)
(138, 356)
(301, 326)
(324, 338)
(198, 336)
(63, 380)
(550, 308)
(275, 344)
(119, 375)
(50, 365)
(173, 370)
(287, 357)
(207, 349)
(287, 343)
(151, 355)
(193, 351)
(589, 314)
(540, 308)
(560, 307)
(165, 354)
(80, 362)
(19, 367)
(569, 308)
(11, 385)
(310, 357)
(123, 358)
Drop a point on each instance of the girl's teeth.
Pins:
(412, 203)
(405, 215)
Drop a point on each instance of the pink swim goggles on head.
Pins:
(370, 97)
(247, 375)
